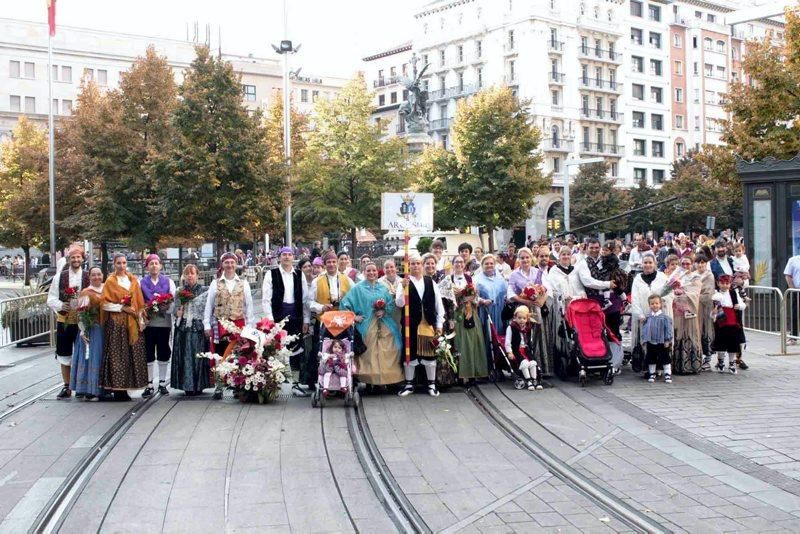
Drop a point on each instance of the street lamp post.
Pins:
(567, 164)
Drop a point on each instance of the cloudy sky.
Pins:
(335, 34)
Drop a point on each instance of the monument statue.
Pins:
(414, 110)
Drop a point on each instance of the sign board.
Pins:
(407, 211)
(710, 222)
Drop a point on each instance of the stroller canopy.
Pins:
(587, 319)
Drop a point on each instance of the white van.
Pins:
(451, 242)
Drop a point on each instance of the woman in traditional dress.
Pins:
(190, 374)
(469, 340)
(492, 288)
(564, 281)
(687, 351)
(445, 375)
(380, 364)
(524, 277)
(124, 357)
(392, 281)
(707, 290)
(86, 363)
(650, 281)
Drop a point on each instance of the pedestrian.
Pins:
(159, 323)
(791, 274)
(722, 263)
(657, 335)
(728, 331)
(442, 265)
(688, 352)
(469, 334)
(229, 299)
(124, 354)
(87, 361)
(502, 267)
(566, 287)
(62, 298)
(704, 315)
(391, 280)
(190, 374)
(650, 281)
(284, 295)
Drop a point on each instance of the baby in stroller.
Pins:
(519, 347)
(334, 363)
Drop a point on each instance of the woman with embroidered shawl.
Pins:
(492, 288)
(87, 362)
(190, 373)
(687, 350)
(566, 286)
(469, 340)
(124, 358)
(380, 364)
(528, 276)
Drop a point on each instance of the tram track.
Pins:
(625, 513)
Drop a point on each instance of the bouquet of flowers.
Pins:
(68, 295)
(87, 317)
(185, 296)
(671, 286)
(126, 300)
(444, 354)
(254, 364)
(379, 306)
(159, 304)
(534, 291)
(469, 291)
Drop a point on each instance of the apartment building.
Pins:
(384, 72)
(80, 53)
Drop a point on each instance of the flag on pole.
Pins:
(51, 16)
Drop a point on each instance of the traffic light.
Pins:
(557, 223)
(549, 224)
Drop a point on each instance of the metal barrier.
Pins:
(25, 320)
(764, 312)
(791, 319)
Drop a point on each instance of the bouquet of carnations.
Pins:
(443, 351)
(254, 364)
(159, 304)
(671, 286)
(68, 295)
(379, 307)
(126, 301)
(534, 291)
(185, 296)
(87, 318)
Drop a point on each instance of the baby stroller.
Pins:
(502, 361)
(589, 338)
(336, 368)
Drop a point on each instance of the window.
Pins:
(424, 59)
(30, 104)
(441, 57)
(710, 97)
(556, 165)
(102, 77)
(614, 169)
(585, 74)
(721, 72)
(598, 48)
(707, 43)
(584, 45)
(249, 92)
(30, 70)
(678, 94)
(478, 49)
(711, 18)
(655, 39)
(734, 53)
(637, 91)
(15, 103)
(708, 70)
(639, 147)
(654, 13)
(88, 74)
(656, 94)
(658, 176)
(721, 47)
(638, 119)
(553, 37)
(611, 54)
(639, 175)
(655, 67)
(696, 123)
(679, 68)
(698, 14)
(680, 149)
(638, 63)
(66, 107)
(314, 96)
(460, 50)
(54, 73)
(405, 95)
(656, 121)
(480, 77)
(554, 98)
(695, 68)
(55, 106)
(636, 8)
(694, 42)
(304, 95)
(510, 39)
(585, 104)
(512, 74)
(381, 100)
(658, 149)
(677, 40)
(13, 69)
(697, 96)
(442, 82)
(393, 97)
(679, 122)
(636, 36)
(461, 82)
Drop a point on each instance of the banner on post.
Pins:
(407, 211)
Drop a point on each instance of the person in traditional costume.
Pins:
(442, 265)
(471, 264)
(650, 281)
(392, 280)
(347, 269)
(469, 338)
(317, 267)
(229, 299)
(87, 359)
(373, 305)
(190, 374)
(446, 375)
(704, 316)
(426, 315)
(283, 296)
(62, 298)
(549, 320)
(687, 349)
(492, 289)
(728, 331)
(307, 269)
(159, 324)
(124, 354)
(528, 276)
(519, 340)
(325, 294)
(564, 281)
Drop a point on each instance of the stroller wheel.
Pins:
(582, 378)
(348, 399)
(493, 376)
(608, 378)
(519, 383)
(315, 399)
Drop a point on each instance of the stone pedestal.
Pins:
(417, 141)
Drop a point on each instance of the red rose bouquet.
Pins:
(185, 296)
(126, 300)
(68, 295)
(159, 304)
(533, 292)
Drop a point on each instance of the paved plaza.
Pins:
(709, 453)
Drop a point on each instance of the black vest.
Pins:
(278, 290)
(516, 341)
(63, 283)
(427, 305)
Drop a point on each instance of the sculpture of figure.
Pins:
(414, 110)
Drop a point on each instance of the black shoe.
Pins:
(408, 389)
(217, 395)
(163, 389)
(432, 391)
(121, 396)
(89, 397)
(80, 395)
(148, 392)
(743, 366)
(65, 393)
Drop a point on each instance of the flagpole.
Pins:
(51, 150)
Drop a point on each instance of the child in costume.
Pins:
(519, 346)
(334, 363)
(728, 331)
(657, 334)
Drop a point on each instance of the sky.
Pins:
(334, 34)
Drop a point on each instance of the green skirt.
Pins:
(471, 348)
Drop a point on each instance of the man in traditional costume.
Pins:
(159, 326)
(426, 314)
(62, 298)
(283, 295)
(229, 299)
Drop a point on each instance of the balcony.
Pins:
(557, 78)
(556, 47)
(679, 21)
(601, 24)
(452, 92)
(601, 115)
(440, 124)
(601, 149)
(559, 144)
(598, 84)
(383, 82)
(511, 80)
(600, 54)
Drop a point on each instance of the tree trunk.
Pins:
(104, 258)
(353, 252)
(27, 275)
(490, 230)
(180, 262)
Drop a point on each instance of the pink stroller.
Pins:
(336, 367)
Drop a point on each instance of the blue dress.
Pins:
(84, 376)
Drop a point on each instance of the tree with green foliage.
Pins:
(436, 171)
(214, 182)
(765, 104)
(640, 196)
(594, 196)
(24, 217)
(348, 164)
